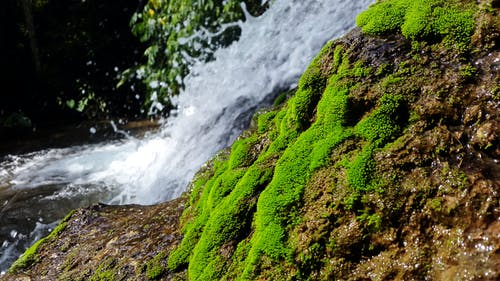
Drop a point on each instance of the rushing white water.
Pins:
(273, 50)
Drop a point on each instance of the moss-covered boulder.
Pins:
(369, 170)
(382, 165)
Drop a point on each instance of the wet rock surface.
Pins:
(105, 242)
(440, 213)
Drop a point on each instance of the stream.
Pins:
(38, 188)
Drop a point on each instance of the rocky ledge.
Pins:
(382, 165)
(105, 242)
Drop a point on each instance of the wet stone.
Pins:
(128, 235)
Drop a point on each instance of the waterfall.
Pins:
(212, 110)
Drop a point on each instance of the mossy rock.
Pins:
(31, 254)
(344, 126)
(428, 20)
(382, 164)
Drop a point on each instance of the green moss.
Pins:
(240, 152)
(227, 221)
(335, 107)
(236, 268)
(379, 127)
(360, 171)
(455, 26)
(383, 17)
(391, 80)
(451, 21)
(223, 186)
(311, 83)
(282, 98)
(105, 271)
(27, 258)
(195, 214)
(265, 121)
(383, 70)
(468, 72)
(31, 254)
(225, 207)
(303, 135)
(341, 123)
(383, 124)
(320, 155)
(207, 211)
(359, 70)
(179, 258)
(417, 18)
(453, 177)
(277, 205)
(154, 267)
(196, 188)
(436, 204)
(252, 203)
(373, 221)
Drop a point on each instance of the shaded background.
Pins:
(61, 60)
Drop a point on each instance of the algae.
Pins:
(30, 256)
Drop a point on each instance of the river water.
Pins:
(38, 188)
